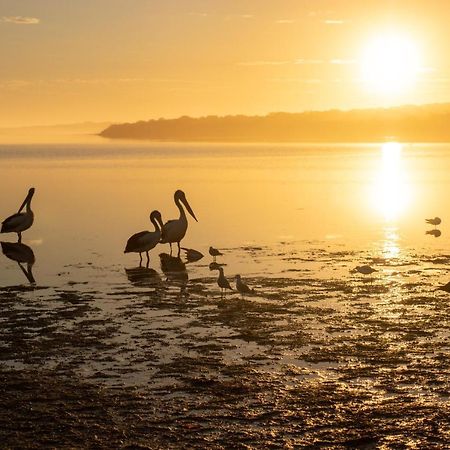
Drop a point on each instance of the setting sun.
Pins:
(390, 64)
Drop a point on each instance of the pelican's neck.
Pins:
(155, 223)
(180, 208)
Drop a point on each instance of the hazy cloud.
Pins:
(284, 21)
(20, 20)
(333, 22)
(342, 61)
(309, 61)
(264, 63)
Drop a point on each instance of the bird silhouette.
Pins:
(214, 252)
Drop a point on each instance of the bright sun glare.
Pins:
(390, 64)
(391, 190)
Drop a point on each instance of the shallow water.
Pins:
(292, 219)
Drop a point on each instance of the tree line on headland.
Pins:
(426, 123)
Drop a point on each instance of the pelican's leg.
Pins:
(179, 249)
(170, 243)
(140, 259)
(19, 237)
(148, 258)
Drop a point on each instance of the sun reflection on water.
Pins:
(392, 193)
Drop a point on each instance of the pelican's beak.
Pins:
(160, 221)
(188, 207)
(27, 199)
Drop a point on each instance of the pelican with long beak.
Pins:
(175, 230)
(144, 241)
(21, 221)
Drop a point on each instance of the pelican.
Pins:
(222, 281)
(365, 270)
(174, 230)
(20, 221)
(436, 221)
(214, 252)
(145, 240)
(242, 287)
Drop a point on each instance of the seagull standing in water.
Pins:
(214, 252)
(144, 241)
(21, 221)
(175, 230)
(222, 281)
(436, 221)
(242, 287)
(365, 270)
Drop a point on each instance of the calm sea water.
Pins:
(90, 197)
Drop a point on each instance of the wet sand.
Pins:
(319, 357)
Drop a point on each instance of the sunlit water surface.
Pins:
(293, 220)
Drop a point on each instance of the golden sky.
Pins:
(115, 60)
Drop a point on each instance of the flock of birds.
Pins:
(171, 232)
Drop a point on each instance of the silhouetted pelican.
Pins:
(436, 233)
(20, 221)
(242, 287)
(174, 230)
(192, 255)
(214, 252)
(436, 221)
(20, 253)
(146, 240)
(365, 270)
(222, 281)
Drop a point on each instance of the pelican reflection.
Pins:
(22, 254)
(143, 277)
(174, 269)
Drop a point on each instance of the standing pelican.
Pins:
(436, 221)
(20, 221)
(146, 240)
(174, 230)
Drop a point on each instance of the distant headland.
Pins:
(425, 123)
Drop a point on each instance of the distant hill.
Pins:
(427, 123)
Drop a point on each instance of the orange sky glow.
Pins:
(110, 60)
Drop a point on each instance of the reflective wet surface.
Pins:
(319, 356)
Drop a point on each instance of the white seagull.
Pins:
(21, 221)
(146, 240)
(174, 230)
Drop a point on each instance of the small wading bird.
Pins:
(214, 252)
(21, 221)
(436, 221)
(222, 281)
(365, 270)
(174, 230)
(146, 240)
(242, 287)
